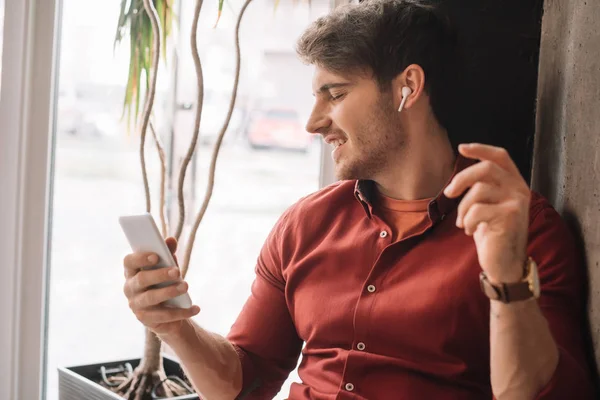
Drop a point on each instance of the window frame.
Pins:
(26, 121)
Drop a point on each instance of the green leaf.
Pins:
(140, 54)
(134, 21)
(160, 10)
(220, 12)
(121, 24)
(148, 46)
(168, 18)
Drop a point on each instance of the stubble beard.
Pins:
(375, 146)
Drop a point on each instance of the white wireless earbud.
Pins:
(406, 91)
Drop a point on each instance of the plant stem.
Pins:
(152, 360)
(163, 177)
(199, 103)
(149, 104)
(217, 148)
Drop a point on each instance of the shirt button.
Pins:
(383, 234)
(349, 387)
(361, 346)
(371, 288)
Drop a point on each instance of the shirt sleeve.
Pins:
(562, 301)
(264, 334)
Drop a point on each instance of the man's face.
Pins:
(353, 114)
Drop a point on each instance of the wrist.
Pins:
(179, 331)
(504, 290)
(507, 274)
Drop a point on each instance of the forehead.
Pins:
(322, 76)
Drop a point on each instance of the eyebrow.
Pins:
(329, 86)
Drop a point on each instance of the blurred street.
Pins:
(97, 181)
(97, 175)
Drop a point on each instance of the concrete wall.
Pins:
(566, 162)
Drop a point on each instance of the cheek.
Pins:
(348, 117)
(340, 117)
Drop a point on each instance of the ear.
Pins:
(413, 76)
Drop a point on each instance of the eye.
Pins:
(336, 96)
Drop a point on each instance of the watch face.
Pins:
(534, 279)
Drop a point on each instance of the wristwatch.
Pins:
(528, 287)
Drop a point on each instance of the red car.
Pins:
(278, 128)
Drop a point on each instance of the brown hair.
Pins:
(382, 37)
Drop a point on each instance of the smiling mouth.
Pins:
(337, 144)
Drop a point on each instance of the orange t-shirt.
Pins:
(405, 217)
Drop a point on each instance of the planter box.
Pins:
(78, 383)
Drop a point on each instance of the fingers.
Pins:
(481, 192)
(484, 152)
(145, 298)
(485, 214)
(154, 316)
(144, 280)
(485, 171)
(135, 261)
(154, 297)
(478, 213)
(171, 244)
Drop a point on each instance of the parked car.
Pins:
(276, 128)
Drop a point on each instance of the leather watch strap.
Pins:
(505, 292)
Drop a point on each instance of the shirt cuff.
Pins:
(250, 379)
(569, 381)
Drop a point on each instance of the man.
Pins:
(380, 276)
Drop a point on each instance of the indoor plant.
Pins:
(148, 23)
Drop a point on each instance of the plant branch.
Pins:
(152, 360)
(163, 178)
(217, 148)
(199, 103)
(149, 104)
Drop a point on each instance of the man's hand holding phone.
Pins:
(146, 291)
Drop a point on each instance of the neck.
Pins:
(424, 168)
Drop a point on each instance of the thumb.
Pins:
(481, 229)
(171, 244)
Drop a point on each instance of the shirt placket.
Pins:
(350, 387)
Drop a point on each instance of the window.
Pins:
(282, 114)
(25, 119)
(267, 162)
(1, 36)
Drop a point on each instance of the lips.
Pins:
(337, 151)
(338, 143)
(335, 141)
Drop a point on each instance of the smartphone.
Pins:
(143, 236)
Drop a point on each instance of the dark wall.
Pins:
(495, 101)
(491, 98)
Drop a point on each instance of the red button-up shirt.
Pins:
(384, 320)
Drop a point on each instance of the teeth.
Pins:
(337, 143)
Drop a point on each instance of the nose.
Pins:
(318, 121)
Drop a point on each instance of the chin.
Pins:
(347, 172)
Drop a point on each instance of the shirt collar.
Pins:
(364, 191)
